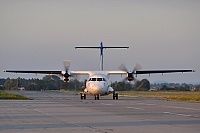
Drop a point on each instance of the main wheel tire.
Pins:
(116, 96)
(113, 95)
(81, 96)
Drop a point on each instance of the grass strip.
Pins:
(11, 96)
(168, 95)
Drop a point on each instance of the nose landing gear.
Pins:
(96, 97)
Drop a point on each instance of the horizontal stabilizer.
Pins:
(99, 47)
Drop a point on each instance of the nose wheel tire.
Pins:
(115, 96)
(96, 97)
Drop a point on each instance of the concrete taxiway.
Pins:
(50, 112)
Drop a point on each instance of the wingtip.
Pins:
(4, 70)
(193, 70)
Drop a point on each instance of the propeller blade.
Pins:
(137, 67)
(123, 68)
(67, 65)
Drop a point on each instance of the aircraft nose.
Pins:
(96, 89)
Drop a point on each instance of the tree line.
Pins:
(176, 87)
(53, 82)
(46, 83)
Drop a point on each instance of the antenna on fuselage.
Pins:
(101, 51)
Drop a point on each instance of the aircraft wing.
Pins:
(90, 73)
(161, 71)
(117, 72)
(51, 72)
(81, 72)
(36, 72)
(93, 72)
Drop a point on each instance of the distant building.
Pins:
(154, 88)
(1, 87)
(193, 89)
(21, 89)
(172, 87)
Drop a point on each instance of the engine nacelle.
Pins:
(110, 90)
(130, 77)
(86, 91)
(66, 79)
(65, 76)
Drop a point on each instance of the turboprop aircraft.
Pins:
(98, 83)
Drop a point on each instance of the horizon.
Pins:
(82, 80)
(40, 35)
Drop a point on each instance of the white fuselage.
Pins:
(98, 85)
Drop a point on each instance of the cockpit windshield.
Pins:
(93, 79)
(97, 79)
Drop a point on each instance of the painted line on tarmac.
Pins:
(171, 113)
(135, 108)
(148, 104)
(182, 108)
(41, 112)
(107, 104)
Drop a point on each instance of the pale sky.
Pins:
(161, 34)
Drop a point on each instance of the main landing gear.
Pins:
(96, 97)
(83, 96)
(115, 95)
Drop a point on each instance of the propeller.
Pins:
(130, 74)
(65, 73)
